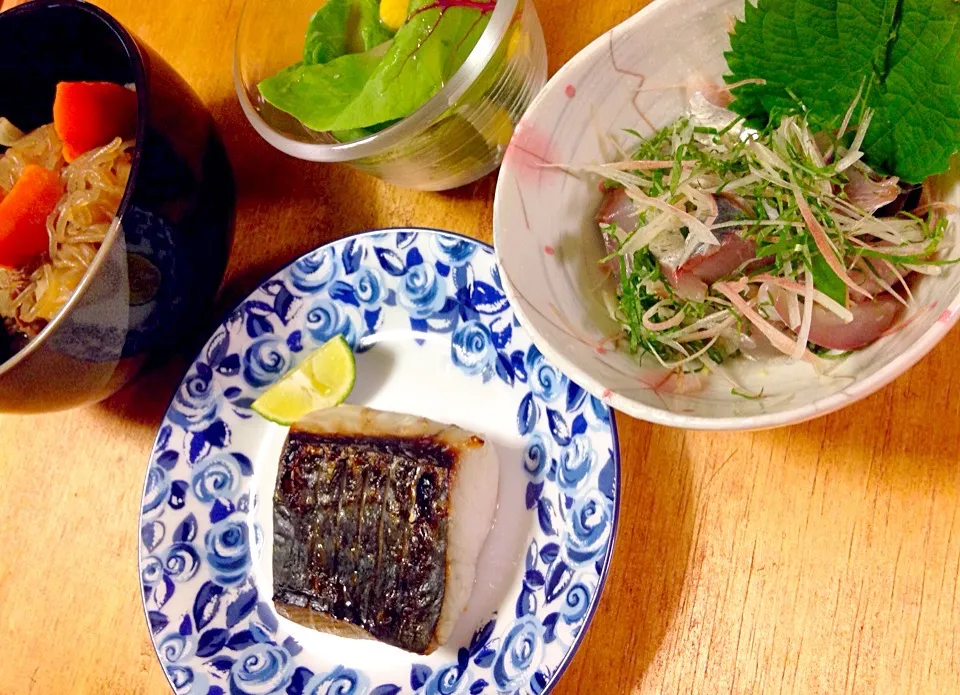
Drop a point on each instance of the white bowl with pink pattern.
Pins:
(548, 244)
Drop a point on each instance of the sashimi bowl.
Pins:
(642, 76)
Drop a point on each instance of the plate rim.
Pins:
(602, 576)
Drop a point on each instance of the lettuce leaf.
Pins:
(425, 53)
(315, 94)
(343, 26)
(904, 54)
(327, 33)
(362, 90)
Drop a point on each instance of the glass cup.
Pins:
(458, 136)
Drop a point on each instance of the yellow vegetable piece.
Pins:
(518, 42)
(393, 13)
(498, 129)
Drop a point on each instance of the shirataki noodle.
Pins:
(94, 184)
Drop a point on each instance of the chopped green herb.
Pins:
(747, 395)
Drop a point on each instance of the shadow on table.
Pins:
(285, 206)
(144, 401)
(482, 189)
(646, 580)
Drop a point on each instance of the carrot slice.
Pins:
(23, 215)
(88, 115)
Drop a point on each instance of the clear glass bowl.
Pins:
(455, 138)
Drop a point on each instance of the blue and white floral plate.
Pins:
(434, 336)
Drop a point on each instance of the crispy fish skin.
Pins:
(362, 523)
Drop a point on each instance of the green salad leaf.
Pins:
(343, 26)
(339, 82)
(902, 56)
(386, 83)
(367, 26)
(425, 53)
(327, 33)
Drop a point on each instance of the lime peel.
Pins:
(323, 380)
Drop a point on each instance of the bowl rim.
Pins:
(629, 406)
(137, 63)
(500, 20)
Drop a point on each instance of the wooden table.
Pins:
(821, 558)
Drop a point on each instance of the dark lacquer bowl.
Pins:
(158, 270)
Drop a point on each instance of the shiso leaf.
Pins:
(818, 55)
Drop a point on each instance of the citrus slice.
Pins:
(324, 379)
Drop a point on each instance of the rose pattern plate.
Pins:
(434, 334)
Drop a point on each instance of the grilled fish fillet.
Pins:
(379, 519)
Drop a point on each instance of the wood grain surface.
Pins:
(821, 558)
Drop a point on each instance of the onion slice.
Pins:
(824, 246)
(671, 322)
(781, 342)
(803, 335)
(854, 155)
(696, 227)
(818, 296)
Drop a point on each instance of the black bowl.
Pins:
(158, 271)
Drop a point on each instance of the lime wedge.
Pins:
(324, 379)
